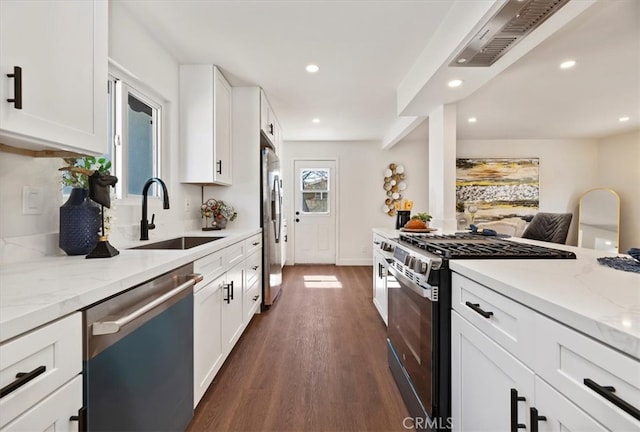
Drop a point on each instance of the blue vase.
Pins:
(79, 223)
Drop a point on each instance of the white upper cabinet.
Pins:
(269, 123)
(205, 125)
(53, 64)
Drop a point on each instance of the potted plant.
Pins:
(216, 214)
(79, 215)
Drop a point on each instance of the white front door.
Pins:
(314, 220)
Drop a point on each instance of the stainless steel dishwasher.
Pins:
(138, 357)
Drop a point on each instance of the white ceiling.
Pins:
(365, 48)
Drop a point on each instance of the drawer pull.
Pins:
(255, 243)
(514, 410)
(607, 392)
(255, 298)
(476, 308)
(22, 379)
(255, 267)
(535, 418)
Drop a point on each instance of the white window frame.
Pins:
(121, 85)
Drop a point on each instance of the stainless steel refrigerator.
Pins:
(271, 194)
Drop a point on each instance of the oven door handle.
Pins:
(428, 293)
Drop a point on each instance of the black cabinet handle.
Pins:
(227, 287)
(297, 213)
(271, 128)
(476, 307)
(608, 392)
(514, 411)
(219, 166)
(535, 418)
(17, 87)
(231, 290)
(255, 243)
(255, 298)
(297, 220)
(254, 267)
(21, 379)
(81, 419)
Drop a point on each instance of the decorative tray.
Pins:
(419, 230)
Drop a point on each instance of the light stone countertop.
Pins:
(594, 299)
(39, 291)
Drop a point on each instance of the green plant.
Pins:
(78, 179)
(424, 217)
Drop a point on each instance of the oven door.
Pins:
(413, 333)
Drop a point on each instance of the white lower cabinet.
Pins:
(487, 382)
(40, 377)
(380, 294)
(207, 336)
(57, 412)
(221, 307)
(510, 368)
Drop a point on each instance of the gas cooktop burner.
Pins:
(469, 246)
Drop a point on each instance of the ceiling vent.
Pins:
(515, 20)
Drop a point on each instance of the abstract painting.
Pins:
(493, 189)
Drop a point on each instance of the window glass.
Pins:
(315, 190)
(141, 143)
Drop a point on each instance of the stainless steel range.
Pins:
(419, 331)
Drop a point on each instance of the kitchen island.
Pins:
(532, 340)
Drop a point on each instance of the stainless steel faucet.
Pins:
(145, 226)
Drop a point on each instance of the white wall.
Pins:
(619, 169)
(568, 168)
(360, 177)
(155, 70)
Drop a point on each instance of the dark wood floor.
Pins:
(316, 361)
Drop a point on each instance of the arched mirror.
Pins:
(599, 220)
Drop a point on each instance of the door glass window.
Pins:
(315, 190)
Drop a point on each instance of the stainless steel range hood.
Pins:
(512, 23)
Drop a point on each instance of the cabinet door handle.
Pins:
(17, 87)
(476, 308)
(271, 128)
(535, 418)
(514, 411)
(21, 379)
(255, 298)
(608, 392)
(227, 287)
(81, 419)
(219, 166)
(255, 243)
(231, 290)
(254, 267)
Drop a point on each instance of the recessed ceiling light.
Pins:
(316, 120)
(311, 68)
(623, 119)
(567, 64)
(472, 119)
(455, 83)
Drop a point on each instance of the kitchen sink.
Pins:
(178, 243)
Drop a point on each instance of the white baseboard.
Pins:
(355, 262)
